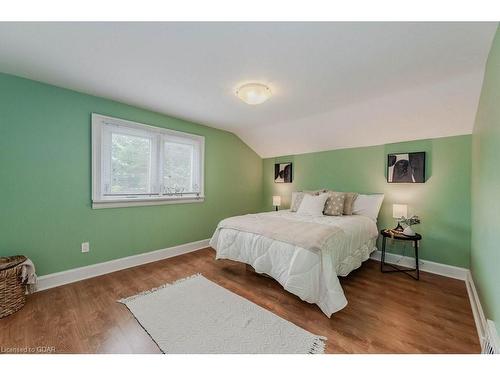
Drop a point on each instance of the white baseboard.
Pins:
(425, 265)
(477, 309)
(76, 274)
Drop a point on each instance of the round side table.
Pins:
(388, 233)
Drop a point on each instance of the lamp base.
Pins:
(399, 228)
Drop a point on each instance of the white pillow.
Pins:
(368, 205)
(312, 205)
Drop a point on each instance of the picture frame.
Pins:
(406, 168)
(283, 173)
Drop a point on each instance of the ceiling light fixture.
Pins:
(253, 93)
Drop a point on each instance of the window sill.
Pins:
(135, 202)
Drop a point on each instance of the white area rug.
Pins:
(195, 315)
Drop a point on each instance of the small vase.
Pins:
(408, 231)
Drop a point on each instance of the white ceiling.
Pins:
(335, 85)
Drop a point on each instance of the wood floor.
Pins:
(387, 313)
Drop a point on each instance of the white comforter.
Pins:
(308, 274)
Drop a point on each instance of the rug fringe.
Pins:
(146, 292)
(318, 345)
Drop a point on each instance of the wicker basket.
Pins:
(12, 296)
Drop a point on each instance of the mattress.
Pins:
(310, 275)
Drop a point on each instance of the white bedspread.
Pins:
(308, 274)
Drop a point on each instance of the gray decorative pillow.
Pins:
(297, 197)
(316, 192)
(349, 202)
(334, 205)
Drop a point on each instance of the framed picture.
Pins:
(283, 172)
(406, 168)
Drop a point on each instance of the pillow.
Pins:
(368, 205)
(349, 202)
(334, 205)
(312, 204)
(297, 197)
(315, 192)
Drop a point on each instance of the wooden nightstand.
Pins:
(388, 233)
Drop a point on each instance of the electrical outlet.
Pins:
(85, 247)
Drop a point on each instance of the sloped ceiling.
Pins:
(335, 85)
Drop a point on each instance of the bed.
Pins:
(286, 246)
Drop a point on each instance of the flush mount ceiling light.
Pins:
(253, 93)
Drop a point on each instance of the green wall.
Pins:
(443, 202)
(45, 181)
(485, 249)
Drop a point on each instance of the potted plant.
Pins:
(408, 231)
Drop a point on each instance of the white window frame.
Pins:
(102, 127)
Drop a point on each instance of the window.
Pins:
(135, 164)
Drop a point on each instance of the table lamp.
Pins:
(399, 211)
(276, 201)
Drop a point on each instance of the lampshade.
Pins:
(399, 210)
(253, 93)
(276, 200)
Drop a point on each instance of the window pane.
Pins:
(130, 164)
(178, 168)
